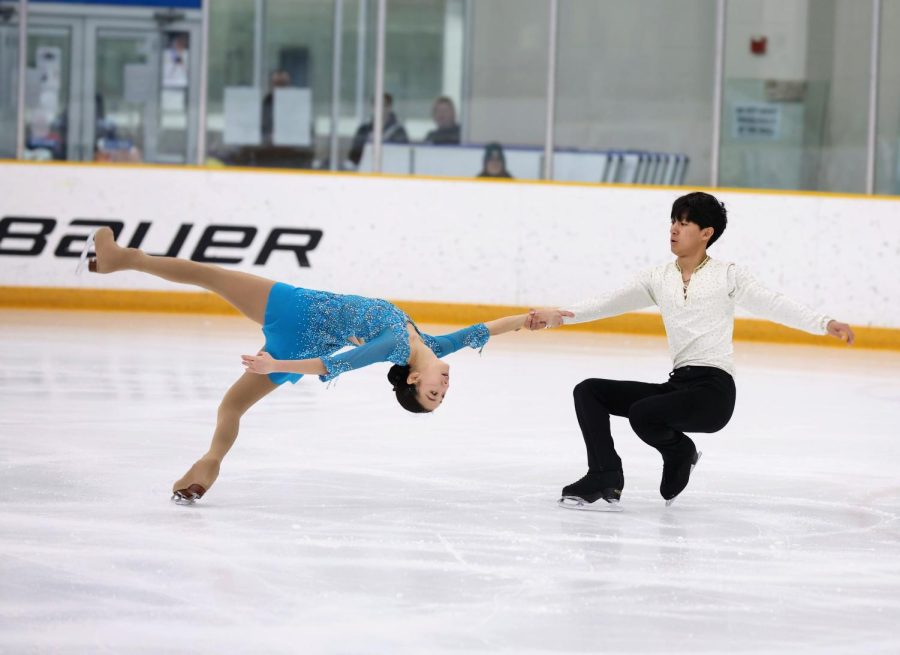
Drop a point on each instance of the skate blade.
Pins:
(83, 259)
(185, 498)
(574, 502)
(672, 499)
(188, 496)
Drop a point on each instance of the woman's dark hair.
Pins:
(494, 150)
(406, 393)
(702, 209)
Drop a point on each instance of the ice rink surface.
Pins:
(341, 524)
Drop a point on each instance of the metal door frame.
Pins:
(11, 29)
(126, 30)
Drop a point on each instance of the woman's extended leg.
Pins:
(248, 293)
(243, 394)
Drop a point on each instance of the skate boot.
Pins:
(597, 491)
(189, 495)
(192, 485)
(108, 256)
(676, 474)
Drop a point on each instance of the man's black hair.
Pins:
(704, 210)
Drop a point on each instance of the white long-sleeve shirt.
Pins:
(700, 327)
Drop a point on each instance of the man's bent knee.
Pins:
(644, 423)
(580, 390)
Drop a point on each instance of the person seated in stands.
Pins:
(447, 129)
(392, 132)
(279, 79)
(494, 161)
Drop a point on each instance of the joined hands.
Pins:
(539, 319)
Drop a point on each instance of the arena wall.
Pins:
(448, 250)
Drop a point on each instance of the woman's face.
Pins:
(432, 384)
(494, 166)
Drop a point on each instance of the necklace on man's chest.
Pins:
(685, 283)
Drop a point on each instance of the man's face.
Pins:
(386, 108)
(280, 79)
(444, 115)
(686, 238)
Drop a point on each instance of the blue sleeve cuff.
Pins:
(334, 367)
(477, 337)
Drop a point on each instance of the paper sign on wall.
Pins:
(292, 117)
(243, 116)
(756, 122)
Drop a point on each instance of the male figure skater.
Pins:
(696, 296)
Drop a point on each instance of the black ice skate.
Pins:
(676, 475)
(596, 492)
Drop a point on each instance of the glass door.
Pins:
(52, 87)
(49, 110)
(143, 79)
(102, 83)
(123, 80)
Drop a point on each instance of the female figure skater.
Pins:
(303, 330)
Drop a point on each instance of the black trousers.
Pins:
(694, 399)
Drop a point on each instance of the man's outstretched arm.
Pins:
(631, 297)
(776, 307)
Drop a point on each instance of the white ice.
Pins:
(341, 524)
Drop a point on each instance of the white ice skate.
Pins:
(600, 505)
(83, 260)
(696, 461)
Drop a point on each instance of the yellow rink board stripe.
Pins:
(424, 312)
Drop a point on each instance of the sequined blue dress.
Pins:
(304, 324)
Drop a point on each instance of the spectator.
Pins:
(175, 61)
(392, 132)
(277, 80)
(494, 161)
(444, 114)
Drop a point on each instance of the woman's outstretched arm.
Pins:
(505, 324)
(263, 364)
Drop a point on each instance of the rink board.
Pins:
(445, 245)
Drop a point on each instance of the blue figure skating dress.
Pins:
(305, 324)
